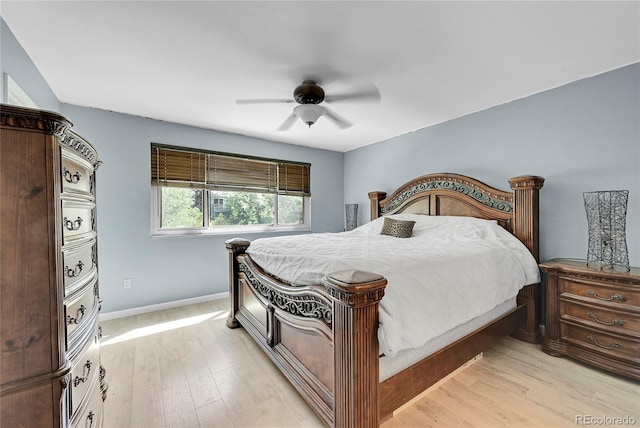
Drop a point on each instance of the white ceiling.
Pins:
(187, 62)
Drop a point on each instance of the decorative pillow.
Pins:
(397, 228)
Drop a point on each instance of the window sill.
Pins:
(181, 233)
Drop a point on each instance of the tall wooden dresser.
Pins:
(593, 315)
(50, 372)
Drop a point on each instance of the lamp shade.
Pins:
(309, 113)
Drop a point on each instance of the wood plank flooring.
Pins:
(184, 368)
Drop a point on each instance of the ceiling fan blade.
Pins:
(339, 121)
(364, 94)
(263, 101)
(288, 123)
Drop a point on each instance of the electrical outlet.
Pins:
(126, 283)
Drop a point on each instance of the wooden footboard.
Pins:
(322, 338)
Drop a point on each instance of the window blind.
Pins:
(177, 168)
(182, 167)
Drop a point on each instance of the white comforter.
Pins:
(451, 270)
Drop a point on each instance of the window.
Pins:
(200, 192)
(15, 95)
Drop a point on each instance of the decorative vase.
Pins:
(351, 212)
(606, 220)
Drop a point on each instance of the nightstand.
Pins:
(593, 315)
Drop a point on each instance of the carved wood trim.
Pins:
(355, 310)
(61, 375)
(302, 302)
(525, 218)
(469, 187)
(235, 247)
(48, 123)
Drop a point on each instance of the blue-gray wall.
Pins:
(581, 137)
(17, 63)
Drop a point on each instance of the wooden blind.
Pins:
(293, 179)
(182, 167)
(241, 174)
(177, 168)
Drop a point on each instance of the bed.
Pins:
(324, 336)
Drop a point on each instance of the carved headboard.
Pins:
(459, 195)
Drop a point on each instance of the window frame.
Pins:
(206, 229)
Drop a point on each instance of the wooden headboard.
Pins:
(459, 195)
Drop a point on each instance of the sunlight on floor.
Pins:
(162, 327)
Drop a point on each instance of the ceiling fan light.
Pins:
(309, 113)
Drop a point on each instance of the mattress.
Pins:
(450, 271)
(389, 365)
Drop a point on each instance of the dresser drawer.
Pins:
(599, 292)
(79, 263)
(78, 310)
(607, 319)
(77, 221)
(77, 175)
(84, 374)
(606, 344)
(90, 415)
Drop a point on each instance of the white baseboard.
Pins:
(161, 306)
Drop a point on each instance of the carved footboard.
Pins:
(323, 338)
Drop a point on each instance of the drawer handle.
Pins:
(609, 347)
(70, 178)
(615, 321)
(85, 374)
(72, 320)
(72, 273)
(616, 296)
(72, 224)
(90, 417)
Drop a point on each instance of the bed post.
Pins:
(235, 247)
(525, 227)
(374, 200)
(355, 298)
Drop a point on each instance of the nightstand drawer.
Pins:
(594, 316)
(598, 292)
(607, 344)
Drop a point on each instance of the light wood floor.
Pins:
(184, 368)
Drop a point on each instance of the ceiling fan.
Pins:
(309, 95)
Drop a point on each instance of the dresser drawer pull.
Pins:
(72, 320)
(70, 178)
(85, 374)
(72, 273)
(72, 224)
(609, 347)
(90, 417)
(615, 321)
(616, 296)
